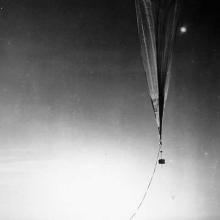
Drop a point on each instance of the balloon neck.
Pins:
(160, 141)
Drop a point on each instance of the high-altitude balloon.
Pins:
(157, 22)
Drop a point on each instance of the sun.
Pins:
(183, 29)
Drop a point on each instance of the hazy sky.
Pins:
(78, 139)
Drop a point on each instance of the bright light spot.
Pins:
(183, 29)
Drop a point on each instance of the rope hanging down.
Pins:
(149, 184)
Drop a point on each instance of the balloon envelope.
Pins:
(157, 22)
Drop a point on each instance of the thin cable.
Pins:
(149, 184)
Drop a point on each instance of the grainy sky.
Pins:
(78, 138)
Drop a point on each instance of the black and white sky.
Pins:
(78, 139)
